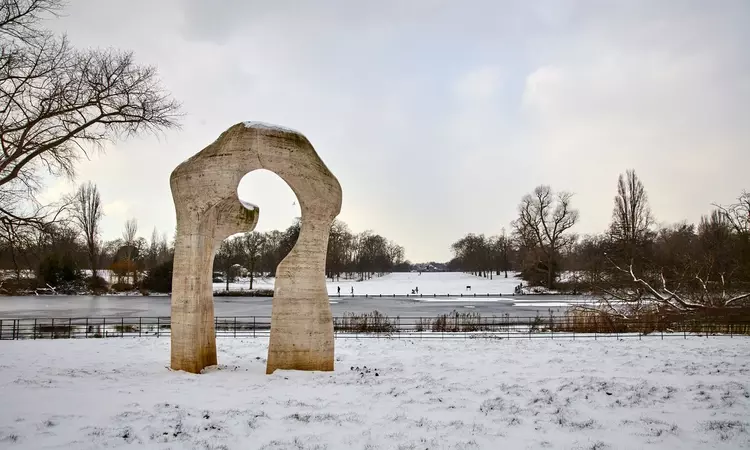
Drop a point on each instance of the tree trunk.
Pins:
(16, 267)
(92, 260)
(550, 278)
(252, 273)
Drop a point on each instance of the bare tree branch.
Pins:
(57, 102)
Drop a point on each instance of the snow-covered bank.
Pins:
(686, 394)
(506, 301)
(440, 283)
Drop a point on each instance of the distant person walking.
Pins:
(416, 289)
(338, 290)
(352, 290)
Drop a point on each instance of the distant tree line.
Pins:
(355, 256)
(482, 255)
(635, 262)
(69, 254)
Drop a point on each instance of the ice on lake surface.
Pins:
(398, 284)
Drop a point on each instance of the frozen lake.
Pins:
(499, 303)
(139, 306)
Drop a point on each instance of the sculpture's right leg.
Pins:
(192, 328)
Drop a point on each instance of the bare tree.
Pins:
(254, 243)
(543, 224)
(87, 215)
(501, 247)
(57, 103)
(737, 217)
(474, 254)
(130, 231)
(129, 241)
(631, 217)
(738, 214)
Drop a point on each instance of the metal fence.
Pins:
(375, 325)
(239, 292)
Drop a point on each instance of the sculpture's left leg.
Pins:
(193, 334)
(193, 338)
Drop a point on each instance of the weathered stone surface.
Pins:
(204, 189)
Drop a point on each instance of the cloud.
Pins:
(437, 117)
(117, 208)
(670, 107)
(479, 84)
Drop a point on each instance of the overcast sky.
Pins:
(438, 116)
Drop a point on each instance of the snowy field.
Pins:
(542, 394)
(441, 283)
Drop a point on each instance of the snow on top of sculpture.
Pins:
(269, 126)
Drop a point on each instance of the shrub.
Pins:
(735, 320)
(15, 286)
(373, 322)
(243, 293)
(55, 269)
(458, 322)
(97, 285)
(159, 279)
(122, 287)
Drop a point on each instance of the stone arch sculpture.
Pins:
(204, 190)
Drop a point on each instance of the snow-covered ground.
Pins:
(441, 283)
(384, 394)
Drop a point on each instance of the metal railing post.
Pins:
(35, 329)
(122, 326)
(140, 325)
(53, 328)
(70, 327)
(158, 328)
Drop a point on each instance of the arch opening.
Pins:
(278, 203)
(248, 260)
